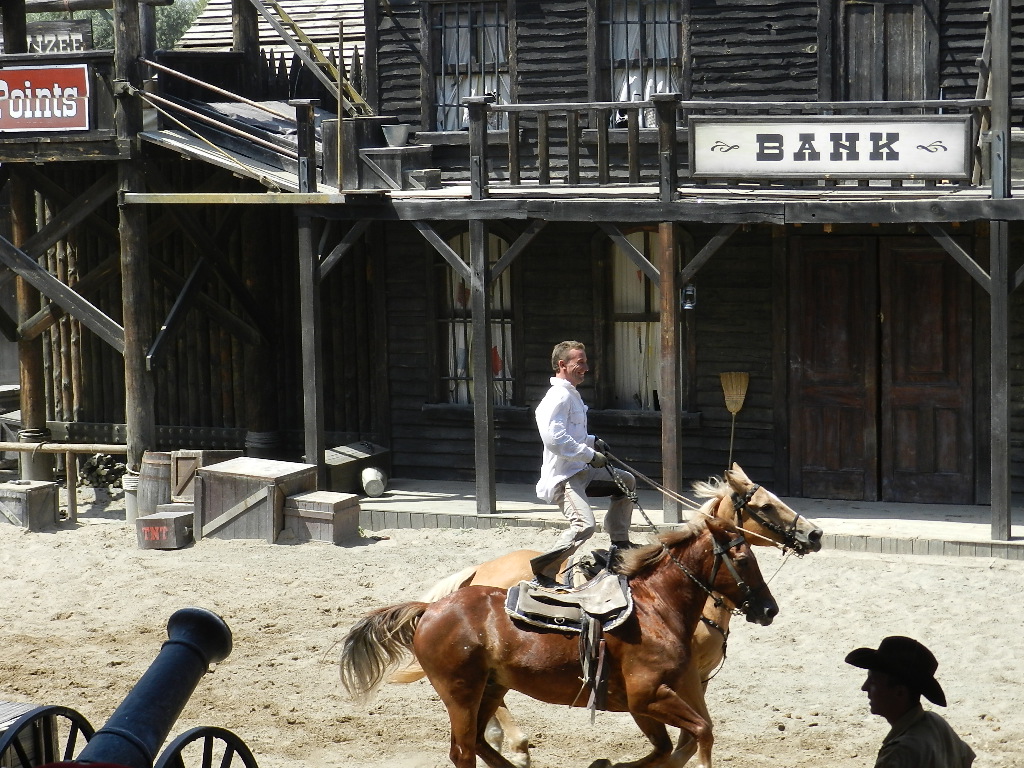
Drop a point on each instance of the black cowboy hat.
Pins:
(905, 659)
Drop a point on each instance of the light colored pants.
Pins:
(572, 499)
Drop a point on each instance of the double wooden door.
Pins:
(880, 386)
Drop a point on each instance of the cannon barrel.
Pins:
(134, 733)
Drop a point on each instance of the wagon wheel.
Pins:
(218, 749)
(51, 733)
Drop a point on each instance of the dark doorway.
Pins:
(881, 403)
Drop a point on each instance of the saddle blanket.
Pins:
(606, 598)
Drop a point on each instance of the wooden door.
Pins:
(880, 388)
(833, 368)
(926, 382)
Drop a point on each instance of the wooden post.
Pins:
(262, 438)
(999, 270)
(477, 107)
(665, 111)
(246, 40)
(136, 286)
(309, 300)
(34, 466)
(483, 403)
(669, 394)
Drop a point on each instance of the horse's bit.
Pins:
(789, 540)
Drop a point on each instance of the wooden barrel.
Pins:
(154, 482)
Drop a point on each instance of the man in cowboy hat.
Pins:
(900, 671)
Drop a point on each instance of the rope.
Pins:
(689, 503)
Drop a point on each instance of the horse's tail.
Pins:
(376, 643)
(446, 586)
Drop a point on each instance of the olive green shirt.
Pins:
(922, 739)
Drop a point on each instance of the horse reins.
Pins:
(721, 556)
(632, 496)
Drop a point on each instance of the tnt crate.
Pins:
(322, 516)
(170, 527)
(184, 464)
(29, 504)
(345, 464)
(243, 498)
(38, 740)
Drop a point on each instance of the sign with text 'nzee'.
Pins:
(856, 147)
(49, 98)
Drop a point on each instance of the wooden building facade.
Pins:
(289, 280)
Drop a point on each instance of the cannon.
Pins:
(59, 736)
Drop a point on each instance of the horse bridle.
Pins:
(721, 556)
(741, 503)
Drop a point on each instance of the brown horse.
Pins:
(736, 499)
(473, 653)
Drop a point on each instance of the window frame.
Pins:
(430, 59)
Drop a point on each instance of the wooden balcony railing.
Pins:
(607, 143)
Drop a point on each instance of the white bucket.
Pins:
(396, 135)
(130, 484)
(374, 481)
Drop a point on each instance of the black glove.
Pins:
(599, 460)
(600, 445)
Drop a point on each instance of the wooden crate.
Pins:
(345, 464)
(243, 498)
(39, 741)
(29, 504)
(322, 516)
(185, 463)
(170, 527)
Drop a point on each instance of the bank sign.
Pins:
(49, 98)
(898, 147)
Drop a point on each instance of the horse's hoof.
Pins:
(519, 760)
(602, 763)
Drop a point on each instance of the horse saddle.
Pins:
(606, 598)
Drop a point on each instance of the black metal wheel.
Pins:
(206, 747)
(44, 735)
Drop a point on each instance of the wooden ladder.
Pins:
(323, 68)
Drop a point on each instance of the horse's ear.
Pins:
(737, 478)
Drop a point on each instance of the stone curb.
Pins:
(378, 520)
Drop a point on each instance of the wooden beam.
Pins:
(67, 298)
(709, 250)
(454, 260)
(524, 239)
(963, 258)
(483, 403)
(70, 216)
(669, 395)
(338, 252)
(220, 314)
(176, 316)
(630, 250)
(999, 341)
(312, 350)
(52, 190)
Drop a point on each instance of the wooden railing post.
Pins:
(665, 109)
(306, 136)
(477, 107)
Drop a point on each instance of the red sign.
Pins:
(44, 98)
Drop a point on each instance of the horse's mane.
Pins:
(634, 561)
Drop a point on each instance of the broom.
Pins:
(734, 385)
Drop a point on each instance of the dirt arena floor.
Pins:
(84, 612)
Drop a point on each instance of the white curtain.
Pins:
(636, 343)
(645, 36)
(468, 69)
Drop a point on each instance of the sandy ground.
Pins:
(84, 612)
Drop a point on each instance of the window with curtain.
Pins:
(457, 329)
(643, 40)
(636, 329)
(470, 46)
